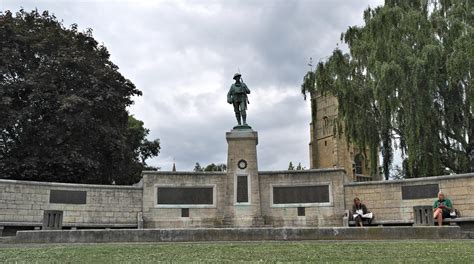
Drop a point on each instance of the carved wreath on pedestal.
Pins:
(242, 164)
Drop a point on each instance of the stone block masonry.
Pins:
(394, 200)
(303, 206)
(310, 198)
(157, 214)
(82, 204)
(242, 205)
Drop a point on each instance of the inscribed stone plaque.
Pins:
(420, 191)
(67, 197)
(185, 195)
(242, 189)
(301, 194)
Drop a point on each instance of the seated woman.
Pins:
(360, 212)
(442, 208)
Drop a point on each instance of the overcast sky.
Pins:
(182, 55)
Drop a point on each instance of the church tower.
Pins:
(327, 149)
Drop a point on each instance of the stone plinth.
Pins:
(242, 206)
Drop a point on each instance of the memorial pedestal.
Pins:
(242, 206)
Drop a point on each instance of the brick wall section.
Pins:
(384, 198)
(23, 201)
(316, 215)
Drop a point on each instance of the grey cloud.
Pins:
(182, 55)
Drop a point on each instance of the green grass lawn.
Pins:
(460, 251)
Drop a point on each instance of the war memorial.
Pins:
(242, 203)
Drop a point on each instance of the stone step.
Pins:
(6, 239)
(254, 226)
(250, 221)
(236, 234)
(467, 234)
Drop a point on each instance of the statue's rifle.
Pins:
(242, 80)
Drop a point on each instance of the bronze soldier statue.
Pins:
(237, 96)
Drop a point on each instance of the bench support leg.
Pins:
(1, 230)
(37, 228)
(140, 220)
(345, 222)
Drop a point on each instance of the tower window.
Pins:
(325, 143)
(326, 126)
(358, 160)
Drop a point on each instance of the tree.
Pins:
(299, 167)
(141, 147)
(63, 106)
(290, 166)
(214, 167)
(197, 167)
(397, 173)
(407, 79)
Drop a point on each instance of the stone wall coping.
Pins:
(413, 180)
(101, 225)
(70, 185)
(173, 173)
(302, 171)
(237, 134)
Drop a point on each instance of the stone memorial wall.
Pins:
(303, 198)
(394, 200)
(187, 206)
(82, 204)
(315, 198)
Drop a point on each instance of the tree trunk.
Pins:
(470, 149)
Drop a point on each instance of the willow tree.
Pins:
(406, 82)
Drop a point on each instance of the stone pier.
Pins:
(242, 200)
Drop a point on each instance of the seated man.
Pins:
(360, 212)
(442, 208)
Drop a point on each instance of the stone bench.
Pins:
(73, 226)
(384, 223)
(347, 222)
(459, 221)
(451, 221)
(35, 225)
(375, 222)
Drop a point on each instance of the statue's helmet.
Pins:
(237, 76)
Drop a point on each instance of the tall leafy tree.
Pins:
(140, 148)
(407, 82)
(63, 106)
(215, 167)
(198, 168)
(291, 166)
(300, 167)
